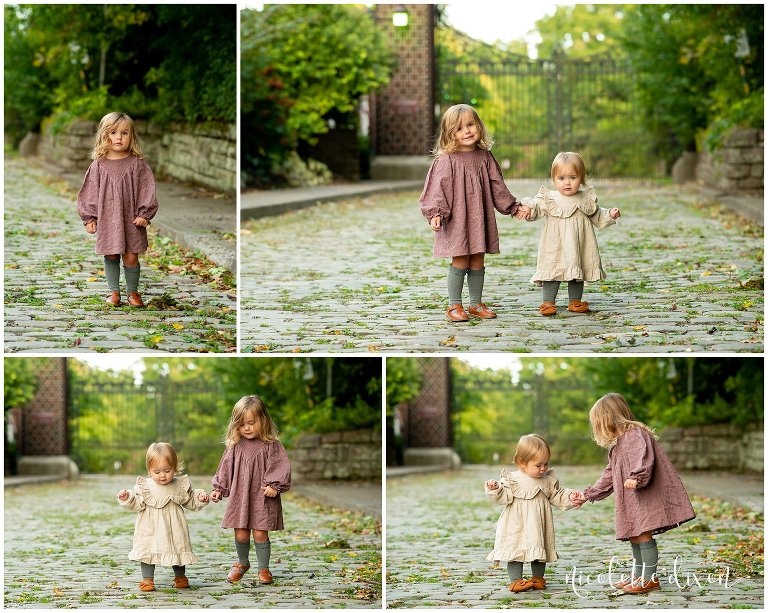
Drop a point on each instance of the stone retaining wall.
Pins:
(715, 447)
(204, 154)
(737, 165)
(355, 454)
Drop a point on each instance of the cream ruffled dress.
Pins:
(568, 246)
(161, 535)
(526, 531)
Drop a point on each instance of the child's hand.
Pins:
(492, 485)
(614, 213)
(90, 227)
(141, 222)
(269, 491)
(577, 499)
(123, 495)
(215, 495)
(630, 484)
(435, 223)
(203, 497)
(523, 212)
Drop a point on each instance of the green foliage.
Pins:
(20, 380)
(404, 382)
(300, 63)
(159, 62)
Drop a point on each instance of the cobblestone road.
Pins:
(358, 275)
(55, 288)
(440, 527)
(66, 545)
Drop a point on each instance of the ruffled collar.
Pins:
(158, 496)
(559, 205)
(524, 486)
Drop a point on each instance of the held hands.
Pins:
(269, 491)
(630, 484)
(143, 223)
(123, 495)
(577, 499)
(216, 495)
(614, 213)
(90, 227)
(435, 223)
(203, 497)
(492, 485)
(523, 212)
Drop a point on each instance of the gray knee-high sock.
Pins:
(132, 274)
(263, 550)
(147, 571)
(455, 284)
(178, 571)
(549, 290)
(475, 281)
(515, 570)
(538, 568)
(650, 555)
(112, 273)
(637, 561)
(243, 551)
(575, 290)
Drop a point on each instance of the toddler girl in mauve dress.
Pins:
(650, 497)
(118, 198)
(252, 473)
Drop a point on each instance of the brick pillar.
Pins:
(403, 118)
(44, 418)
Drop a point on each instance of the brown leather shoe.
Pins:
(265, 576)
(135, 300)
(482, 311)
(577, 306)
(237, 571)
(538, 583)
(180, 582)
(113, 299)
(456, 312)
(547, 308)
(147, 585)
(520, 585)
(620, 585)
(638, 586)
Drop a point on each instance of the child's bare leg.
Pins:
(263, 550)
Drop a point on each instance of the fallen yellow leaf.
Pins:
(177, 326)
(638, 328)
(92, 279)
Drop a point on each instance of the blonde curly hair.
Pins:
(108, 123)
(450, 124)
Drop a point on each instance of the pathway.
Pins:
(55, 289)
(440, 527)
(358, 275)
(66, 546)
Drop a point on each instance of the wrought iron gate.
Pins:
(112, 424)
(536, 108)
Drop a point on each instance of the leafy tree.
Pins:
(20, 380)
(300, 63)
(583, 30)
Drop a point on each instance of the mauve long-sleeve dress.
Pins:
(463, 189)
(660, 501)
(244, 470)
(114, 193)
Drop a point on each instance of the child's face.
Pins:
(161, 472)
(119, 139)
(567, 181)
(467, 135)
(536, 468)
(249, 428)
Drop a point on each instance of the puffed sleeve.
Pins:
(602, 488)
(88, 196)
(222, 480)
(503, 200)
(601, 218)
(642, 456)
(437, 198)
(135, 500)
(504, 494)
(146, 198)
(278, 472)
(538, 204)
(560, 495)
(191, 502)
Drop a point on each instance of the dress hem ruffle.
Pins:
(163, 559)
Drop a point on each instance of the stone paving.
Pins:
(358, 275)
(55, 288)
(440, 527)
(66, 546)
